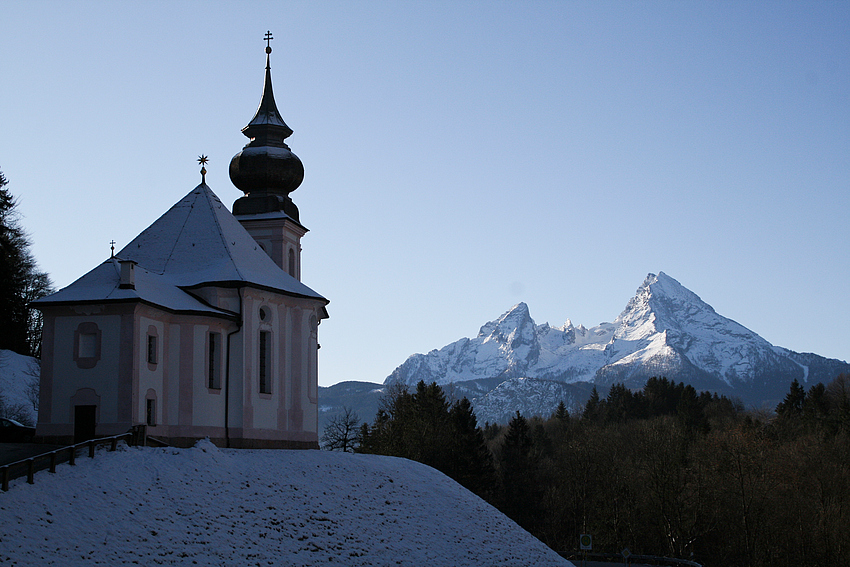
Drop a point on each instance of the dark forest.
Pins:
(663, 471)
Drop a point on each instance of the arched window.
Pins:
(265, 373)
(292, 263)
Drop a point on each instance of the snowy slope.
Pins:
(17, 372)
(665, 330)
(209, 506)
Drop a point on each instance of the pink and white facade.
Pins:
(199, 327)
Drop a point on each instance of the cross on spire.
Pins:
(268, 39)
(112, 247)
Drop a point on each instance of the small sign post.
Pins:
(585, 542)
(626, 554)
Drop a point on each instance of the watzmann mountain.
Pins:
(665, 331)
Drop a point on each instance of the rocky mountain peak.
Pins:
(514, 326)
(665, 330)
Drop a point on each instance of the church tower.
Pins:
(267, 171)
(200, 326)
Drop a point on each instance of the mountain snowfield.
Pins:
(665, 330)
(236, 507)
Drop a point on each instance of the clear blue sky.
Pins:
(461, 157)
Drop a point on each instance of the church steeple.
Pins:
(266, 170)
(267, 122)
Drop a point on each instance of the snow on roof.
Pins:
(102, 284)
(210, 506)
(197, 242)
(206, 244)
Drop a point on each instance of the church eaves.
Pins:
(196, 243)
(103, 284)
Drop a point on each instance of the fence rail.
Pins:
(28, 466)
(577, 557)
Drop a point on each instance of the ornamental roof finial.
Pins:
(202, 159)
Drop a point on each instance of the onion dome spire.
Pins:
(266, 170)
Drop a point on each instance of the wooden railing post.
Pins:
(53, 457)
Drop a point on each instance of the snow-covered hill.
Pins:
(209, 506)
(665, 330)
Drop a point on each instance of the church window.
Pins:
(88, 345)
(152, 349)
(150, 412)
(265, 362)
(87, 338)
(214, 361)
(292, 263)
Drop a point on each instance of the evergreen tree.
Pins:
(816, 405)
(423, 427)
(518, 469)
(792, 405)
(838, 392)
(591, 408)
(20, 282)
(620, 405)
(470, 463)
(689, 411)
(561, 413)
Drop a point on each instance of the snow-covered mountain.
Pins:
(665, 330)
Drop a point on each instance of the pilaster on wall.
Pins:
(280, 238)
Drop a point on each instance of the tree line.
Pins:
(663, 471)
(20, 281)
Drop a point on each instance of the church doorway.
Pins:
(85, 422)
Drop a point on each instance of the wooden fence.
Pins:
(30, 465)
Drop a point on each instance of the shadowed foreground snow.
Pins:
(209, 506)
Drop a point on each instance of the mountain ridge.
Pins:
(664, 330)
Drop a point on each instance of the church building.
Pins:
(200, 326)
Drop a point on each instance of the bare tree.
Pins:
(18, 412)
(341, 431)
(33, 385)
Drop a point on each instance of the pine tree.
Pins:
(561, 413)
(20, 282)
(470, 463)
(591, 408)
(518, 468)
(816, 405)
(792, 405)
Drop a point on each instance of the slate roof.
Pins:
(196, 243)
(102, 285)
